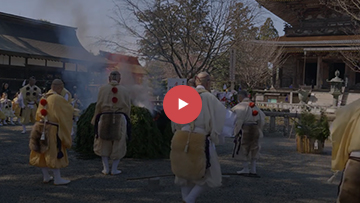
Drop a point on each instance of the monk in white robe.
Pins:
(28, 99)
(48, 151)
(16, 107)
(250, 120)
(113, 98)
(67, 95)
(191, 82)
(194, 168)
(345, 136)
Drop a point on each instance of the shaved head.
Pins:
(191, 82)
(32, 81)
(57, 82)
(57, 86)
(242, 94)
(115, 75)
(203, 79)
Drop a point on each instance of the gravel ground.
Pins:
(286, 176)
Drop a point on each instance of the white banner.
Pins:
(172, 82)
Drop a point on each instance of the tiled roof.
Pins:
(18, 46)
(319, 38)
(26, 37)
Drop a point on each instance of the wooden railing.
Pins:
(287, 131)
(292, 108)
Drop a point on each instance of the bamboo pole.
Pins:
(170, 175)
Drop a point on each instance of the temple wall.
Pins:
(289, 72)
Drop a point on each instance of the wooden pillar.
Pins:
(297, 68)
(272, 123)
(303, 73)
(318, 73)
(291, 97)
(286, 125)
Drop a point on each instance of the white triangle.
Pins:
(182, 104)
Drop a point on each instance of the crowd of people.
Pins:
(193, 156)
(21, 109)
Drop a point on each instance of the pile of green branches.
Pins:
(150, 138)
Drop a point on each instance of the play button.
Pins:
(182, 104)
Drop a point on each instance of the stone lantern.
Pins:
(336, 88)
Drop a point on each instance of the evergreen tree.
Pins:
(268, 31)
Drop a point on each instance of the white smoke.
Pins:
(140, 93)
(87, 84)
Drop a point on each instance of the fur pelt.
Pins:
(109, 126)
(35, 143)
(190, 165)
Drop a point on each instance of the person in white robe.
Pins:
(250, 120)
(207, 125)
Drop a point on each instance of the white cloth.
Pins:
(20, 101)
(229, 125)
(213, 176)
(244, 115)
(210, 122)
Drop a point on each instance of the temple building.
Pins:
(45, 50)
(314, 37)
(126, 65)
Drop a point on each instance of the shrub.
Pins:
(149, 138)
(313, 127)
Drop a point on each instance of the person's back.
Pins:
(53, 114)
(111, 125)
(193, 156)
(107, 102)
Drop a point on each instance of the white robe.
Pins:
(210, 122)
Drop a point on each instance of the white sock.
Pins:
(57, 178)
(46, 175)
(114, 166)
(245, 168)
(185, 191)
(195, 192)
(24, 128)
(105, 162)
(253, 166)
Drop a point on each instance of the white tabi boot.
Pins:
(253, 167)
(4, 122)
(46, 175)
(185, 191)
(24, 129)
(114, 170)
(57, 178)
(105, 162)
(245, 170)
(11, 121)
(195, 192)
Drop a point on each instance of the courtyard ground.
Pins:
(286, 176)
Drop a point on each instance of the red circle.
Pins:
(43, 102)
(43, 112)
(114, 100)
(182, 104)
(114, 90)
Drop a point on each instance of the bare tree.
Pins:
(350, 7)
(256, 62)
(188, 34)
(350, 55)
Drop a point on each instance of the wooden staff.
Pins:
(170, 175)
(148, 177)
